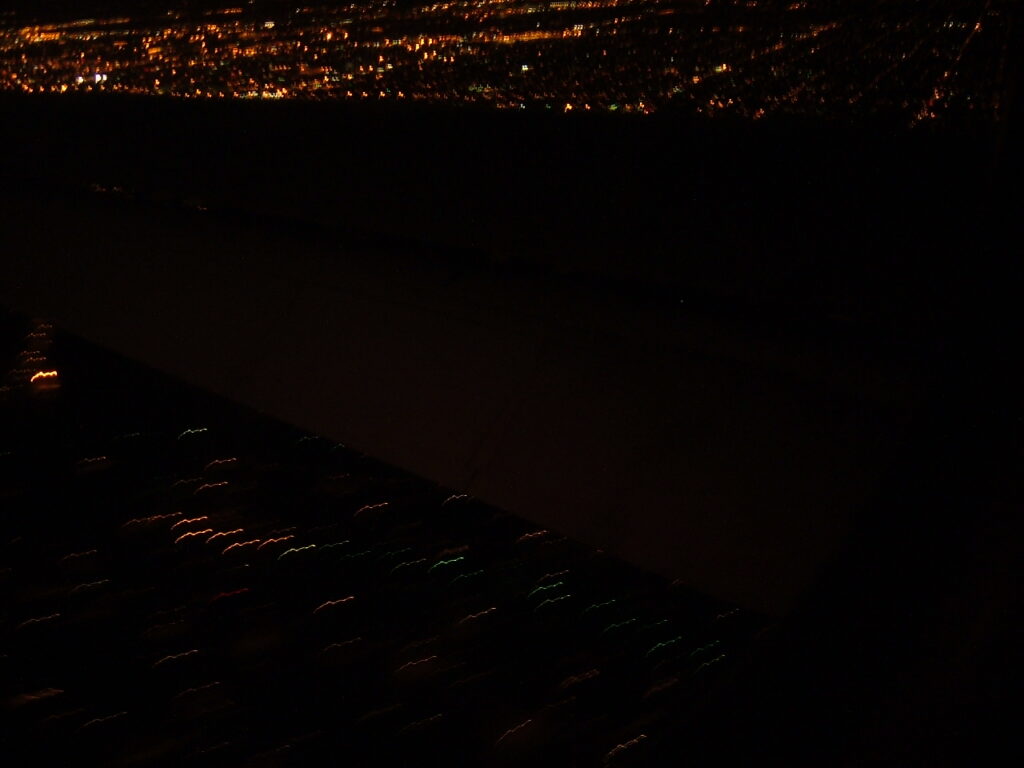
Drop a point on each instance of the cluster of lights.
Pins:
(745, 58)
(32, 369)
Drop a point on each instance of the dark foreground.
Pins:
(814, 273)
(186, 583)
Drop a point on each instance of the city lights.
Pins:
(914, 60)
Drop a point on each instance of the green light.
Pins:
(665, 644)
(709, 663)
(595, 606)
(551, 601)
(293, 550)
(354, 555)
(546, 587)
(619, 624)
(395, 553)
(464, 576)
(439, 563)
(408, 563)
(713, 644)
(655, 624)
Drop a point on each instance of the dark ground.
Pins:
(905, 651)
(847, 221)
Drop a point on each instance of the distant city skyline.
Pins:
(909, 62)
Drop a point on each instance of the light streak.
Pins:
(659, 687)
(276, 540)
(325, 547)
(533, 535)
(709, 646)
(62, 715)
(232, 593)
(239, 545)
(665, 644)
(219, 462)
(420, 643)
(295, 550)
(552, 575)
(354, 555)
(453, 551)
(151, 630)
(76, 555)
(618, 625)
(410, 664)
(455, 497)
(546, 587)
(214, 748)
(623, 747)
(151, 519)
(510, 731)
(395, 552)
(472, 678)
(89, 585)
(98, 720)
(423, 722)
(196, 431)
(197, 689)
(190, 534)
(343, 644)
(186, 481)
(208, 486)
(369, 508)
(472, 616)
(43, 375)
(176, 656)
(37, 620)
(709, 663)
(551, 601)
(440, 563)
(221, 534)
(190, 520)
(575, 679)
(464, 576)
(332, 603)
(408, 563)
(28, 698)
(377, 713)
(596, 606)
